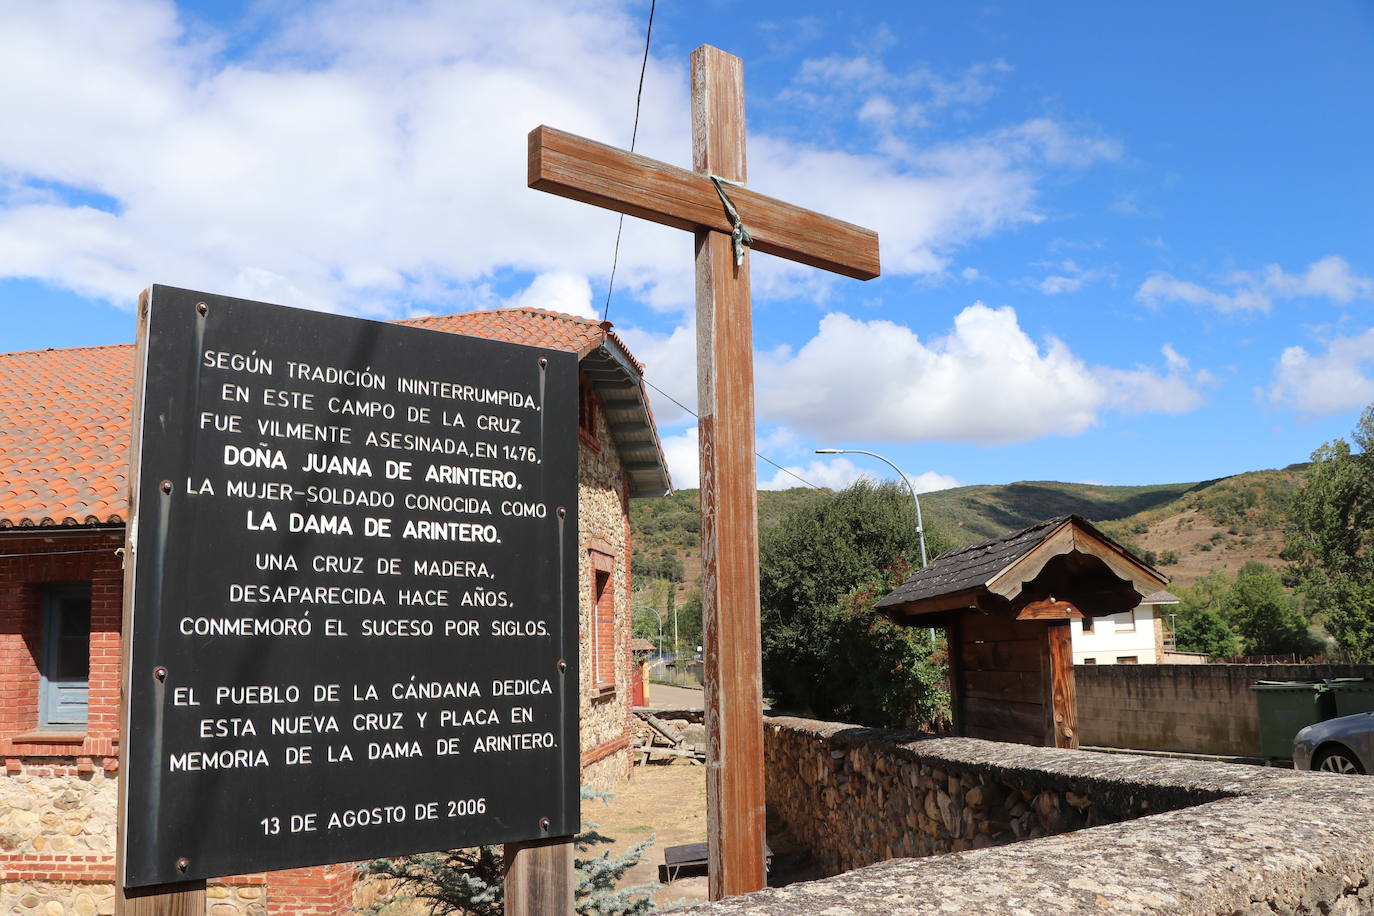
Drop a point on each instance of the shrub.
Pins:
(469, 881)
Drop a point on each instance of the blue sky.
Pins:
(1126, 245)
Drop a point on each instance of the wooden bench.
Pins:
(691, 857)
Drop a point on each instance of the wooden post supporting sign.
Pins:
(724, 216)
(188, 898)
(538, 877)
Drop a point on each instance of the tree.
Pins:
(1330, 538)
(648, 623)
(1264, 615)
(689, 626)
(815, 556)
(879, 672)
(1201, 626)
(1204, 630)
(469, 881)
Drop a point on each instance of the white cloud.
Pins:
(931, 481)
(371, 158)
(558, 292)
(1338, 379)
(985, 381)
(1329, 278)
(839, 473)
(360, 156)
(835, 475)
(1160, 288)
(1070, 278)
(670, 363)
(684, 465)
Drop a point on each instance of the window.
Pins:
(603, 627)
(1125, 622)
(1087, 625)
(66, 655)
(1090, 661)
(1128, 659)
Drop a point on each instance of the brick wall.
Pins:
(26, 565)
(1200, 709)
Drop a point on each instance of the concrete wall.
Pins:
(1221, 840)
(1201, 709)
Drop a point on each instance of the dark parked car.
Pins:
(1344, 745)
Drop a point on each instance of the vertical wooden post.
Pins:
(1062, 701)
(538, 877)
(729, 502)
(186, 899)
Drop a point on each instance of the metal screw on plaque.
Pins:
(562, 666)
(202, 308)
(167, 487)
(562, 512)
(544, 824)
(160, 673)
(183, 863)
(543, 362)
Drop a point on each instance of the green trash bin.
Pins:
(1287, 707)
(1352, 694)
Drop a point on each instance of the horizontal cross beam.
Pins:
(594, 173)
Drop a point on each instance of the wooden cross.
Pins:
(593, 173)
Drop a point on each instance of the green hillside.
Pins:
(1187, 527)
(972, 514)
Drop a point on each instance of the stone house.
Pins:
(64, 437)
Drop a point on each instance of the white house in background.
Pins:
(1140, 636)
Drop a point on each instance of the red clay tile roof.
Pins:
(64, 435)
(65, 416)
(538, 327)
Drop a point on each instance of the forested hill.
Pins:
(976, 513)
(1186, 528)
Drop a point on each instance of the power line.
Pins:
(59, 553)
(634, 135)
(615, 257)
(758, 455)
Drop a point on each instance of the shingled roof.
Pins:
(982, 570)
(65, 415)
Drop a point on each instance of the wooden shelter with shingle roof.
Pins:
(1005, 605)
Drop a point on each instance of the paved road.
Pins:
(662, 696)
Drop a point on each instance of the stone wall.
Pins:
(48, 808)
(855, 796)
(1200, 709)
(1219, 838)
(604, 528)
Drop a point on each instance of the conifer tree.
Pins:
(468, 882)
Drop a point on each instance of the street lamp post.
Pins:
(920, 527)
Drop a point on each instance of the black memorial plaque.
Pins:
(354, 628)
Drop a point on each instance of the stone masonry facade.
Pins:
(918, 825)
(603, 536)
(58, 790)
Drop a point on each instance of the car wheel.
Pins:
(1338, 760)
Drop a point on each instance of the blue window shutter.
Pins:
(65, 669)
